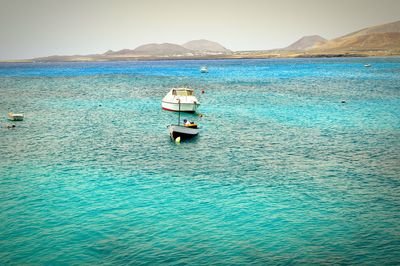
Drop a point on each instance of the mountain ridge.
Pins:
(195, 47)
(306, 43)
(375, 38)
(206, 46)
(381, 28)
(378, 40)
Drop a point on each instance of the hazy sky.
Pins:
(33, 28)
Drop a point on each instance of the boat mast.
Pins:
(179, 112)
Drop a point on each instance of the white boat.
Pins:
(15, 117)
(367, 65)
(203, 69)
(180, 100)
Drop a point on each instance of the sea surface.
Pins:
(297, 162)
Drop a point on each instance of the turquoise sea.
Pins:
(282, 173)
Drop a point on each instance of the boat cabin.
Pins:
(182, 92)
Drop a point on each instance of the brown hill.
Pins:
(163, 49)
(118, 53)
(196, 47)
(306, 43)
(206, 46)
(152, 49)
(370, 42)
(383, 28)
(384, 37)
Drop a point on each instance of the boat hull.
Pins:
(184, 107)
(182, 131)
(204, 70)
(15, 117)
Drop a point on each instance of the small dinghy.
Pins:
(203, 69)
(181, 132)
(367, 65)
(15, 117)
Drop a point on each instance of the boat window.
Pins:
(183, 93)
(173, 92)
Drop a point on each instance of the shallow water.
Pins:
(283, 172)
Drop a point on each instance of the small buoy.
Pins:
(99, 104)
(200, 115)
(202, 91)
(178, 140)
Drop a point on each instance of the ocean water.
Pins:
(282, 172)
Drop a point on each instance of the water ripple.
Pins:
(283, 172)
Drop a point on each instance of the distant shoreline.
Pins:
(237, 55)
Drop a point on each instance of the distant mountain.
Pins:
(118, 53)
(197, 47)
(381, 40)
(384, 37)
(383, 28)
(206, 46)
(161, 49)
(152, 49)
(306, 43)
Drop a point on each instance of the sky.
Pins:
(36, 28)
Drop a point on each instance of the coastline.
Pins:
(234, 55)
